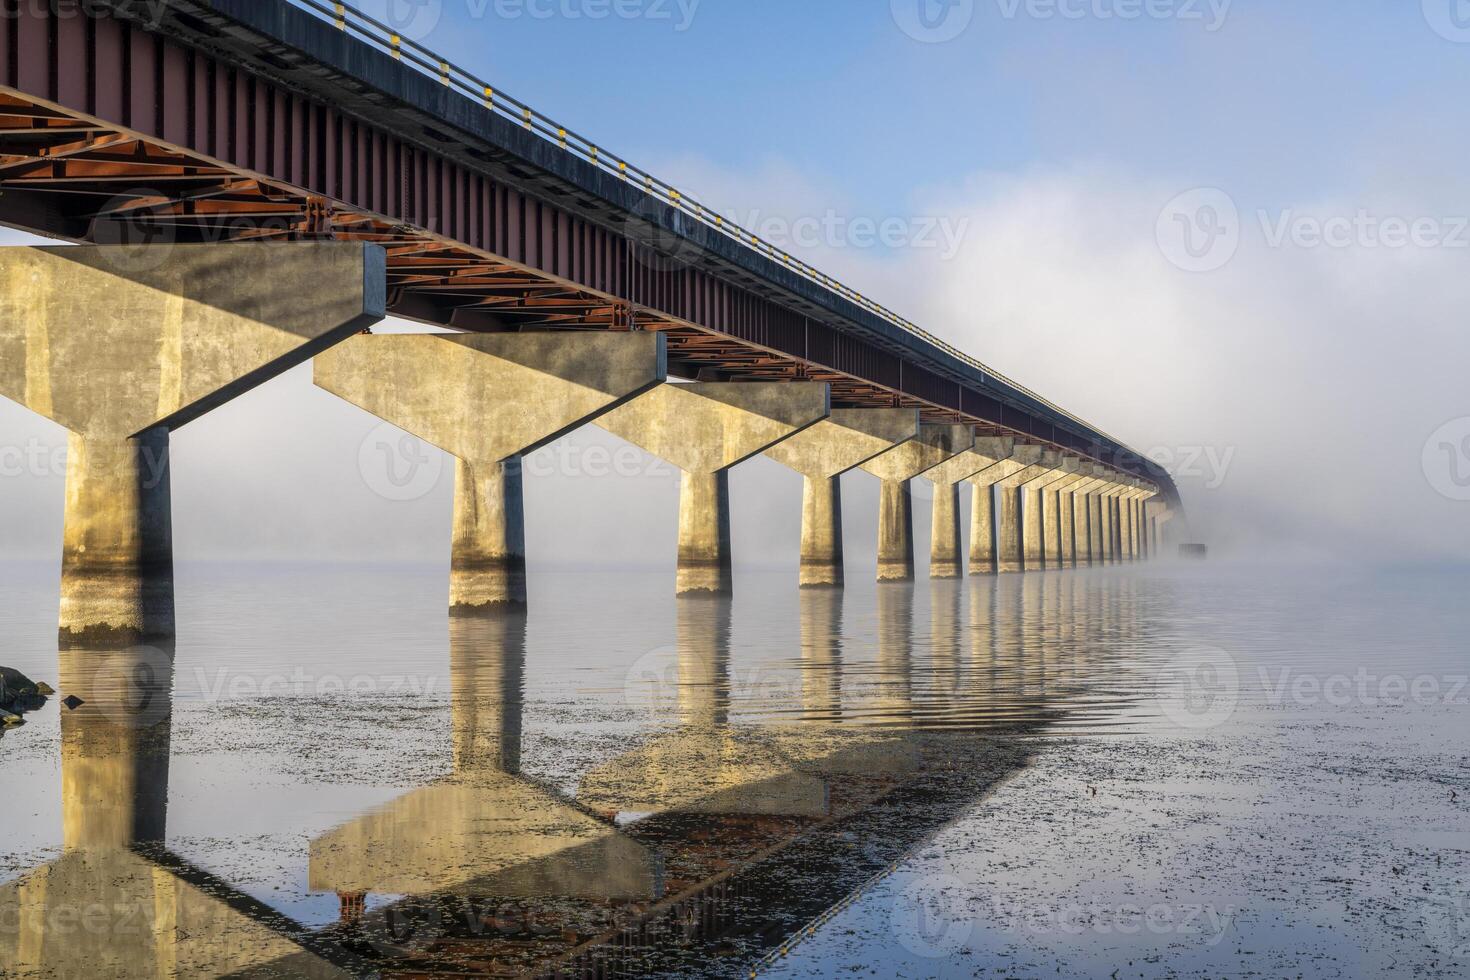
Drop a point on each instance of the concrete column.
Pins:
(1125, 523)
(1106, 522)
(1033, 498)
(1012, 494)
(896, 468)
(1082, 517)
(705, 429)
(984, 545)
(1095, 524)
(1067, 524)
(488, 399)
(1055, 550)
(122, 345)
(946, 543)
(821, 454)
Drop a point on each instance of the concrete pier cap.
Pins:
(122, 345)
(704, 429)
(487, 400)
(935, 444)
(823, 452)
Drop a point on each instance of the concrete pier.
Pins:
(1034, 494)
(842, 442)
(705, 429)
(1013, 491)
(984, 518)
(1055, 550)
(122, 345)
(1082, 522)
(488, 399)
(946, 546)
(896, 468)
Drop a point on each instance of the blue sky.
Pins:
(1284, 97)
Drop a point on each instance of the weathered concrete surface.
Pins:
(1033, 495)
(845, 440)
(1012, 494)
(487, 399)
(984, 530)
(946, 544)
(896, 468)
(704, 429)
(122, 345)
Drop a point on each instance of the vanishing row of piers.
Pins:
(122, 345)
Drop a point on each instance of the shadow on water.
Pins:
(752, 807)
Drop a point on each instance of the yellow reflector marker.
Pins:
(396, 42)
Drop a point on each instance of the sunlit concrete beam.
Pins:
(896, 468)
(842, 442)
(122, 345)
(946, 547)
(704, 429)
(487, 400)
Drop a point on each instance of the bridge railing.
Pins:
(385, 38)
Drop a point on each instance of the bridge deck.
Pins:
(256, 119)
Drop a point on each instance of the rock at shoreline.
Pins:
(19, 694)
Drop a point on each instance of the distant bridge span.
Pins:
(259, 119)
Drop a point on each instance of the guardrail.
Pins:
(385, 38)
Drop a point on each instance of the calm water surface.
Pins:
(1197, 771)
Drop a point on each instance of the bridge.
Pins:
(256, 182)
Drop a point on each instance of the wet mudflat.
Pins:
(1194, 771)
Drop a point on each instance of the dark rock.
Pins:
(44, 689)
(16, 687)
(72, 702)
(9, 719)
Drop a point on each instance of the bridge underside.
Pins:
(64, 174)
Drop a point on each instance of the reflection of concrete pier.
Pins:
(116, 903)
(483, 829)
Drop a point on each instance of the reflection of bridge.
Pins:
(410, 188)
(711, 840)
